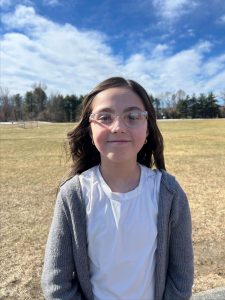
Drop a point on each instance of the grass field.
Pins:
(32, 164)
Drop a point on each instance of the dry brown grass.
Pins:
(195, 153)
(32, 166)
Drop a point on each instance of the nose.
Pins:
(118, 125)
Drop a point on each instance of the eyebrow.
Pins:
(108, 109)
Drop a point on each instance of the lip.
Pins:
(119, 141)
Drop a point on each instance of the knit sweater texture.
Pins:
(66, 274)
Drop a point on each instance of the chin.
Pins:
(121, 158)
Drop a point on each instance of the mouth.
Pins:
(119, 141)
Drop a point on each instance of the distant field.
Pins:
(32, 164)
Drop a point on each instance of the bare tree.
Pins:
(223, 97)
(6, 109)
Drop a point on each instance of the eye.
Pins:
(104, 117)
(132, 116)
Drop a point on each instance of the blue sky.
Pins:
(72, 45)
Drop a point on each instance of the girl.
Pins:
(121, 229)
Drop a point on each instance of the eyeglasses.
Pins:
(131, 119)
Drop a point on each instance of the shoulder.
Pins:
(71, 201)
(70, 185)
(69, 194)
(172, 192)
(149, 173)
(170, 183)
(72, 190)
(74, 183)
(174, 197)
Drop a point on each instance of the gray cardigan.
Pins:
(66, 268)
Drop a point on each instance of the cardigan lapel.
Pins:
(80, 245)
(166, 195)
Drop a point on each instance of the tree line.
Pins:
(36, 105)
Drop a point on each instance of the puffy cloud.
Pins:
(5, 4)
(170, 72)
(26, 18)
(66, 59)
(173, 9)
(69, 60)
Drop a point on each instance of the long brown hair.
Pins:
(85, 155)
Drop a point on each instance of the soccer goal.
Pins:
(28, 124)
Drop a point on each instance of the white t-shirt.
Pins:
(122, 236)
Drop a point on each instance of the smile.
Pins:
(119, 141)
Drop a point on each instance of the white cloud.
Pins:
(26, 18)
(66, 59)
(214, 66)
(221, 20)
(216, 83)
(160, 49)
(173, 9)
(188, 70)
(51, 2)
(5, 3)
(71, 61)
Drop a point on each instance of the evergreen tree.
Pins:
(182, 108)
(156, 103)
(211, 108)
(193, 107)
(40, 97)
(18, 107)
(202, 106)
(71, 104)
(55, 108)
(31, 108)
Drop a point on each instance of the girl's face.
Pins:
(116, 136)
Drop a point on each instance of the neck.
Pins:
(121, 177)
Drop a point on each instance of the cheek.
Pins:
(98, 135)
(141, 135)
(140, 138)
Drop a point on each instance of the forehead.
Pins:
(117, 99)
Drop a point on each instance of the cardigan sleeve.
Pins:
(58, 279)
(180, 271)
